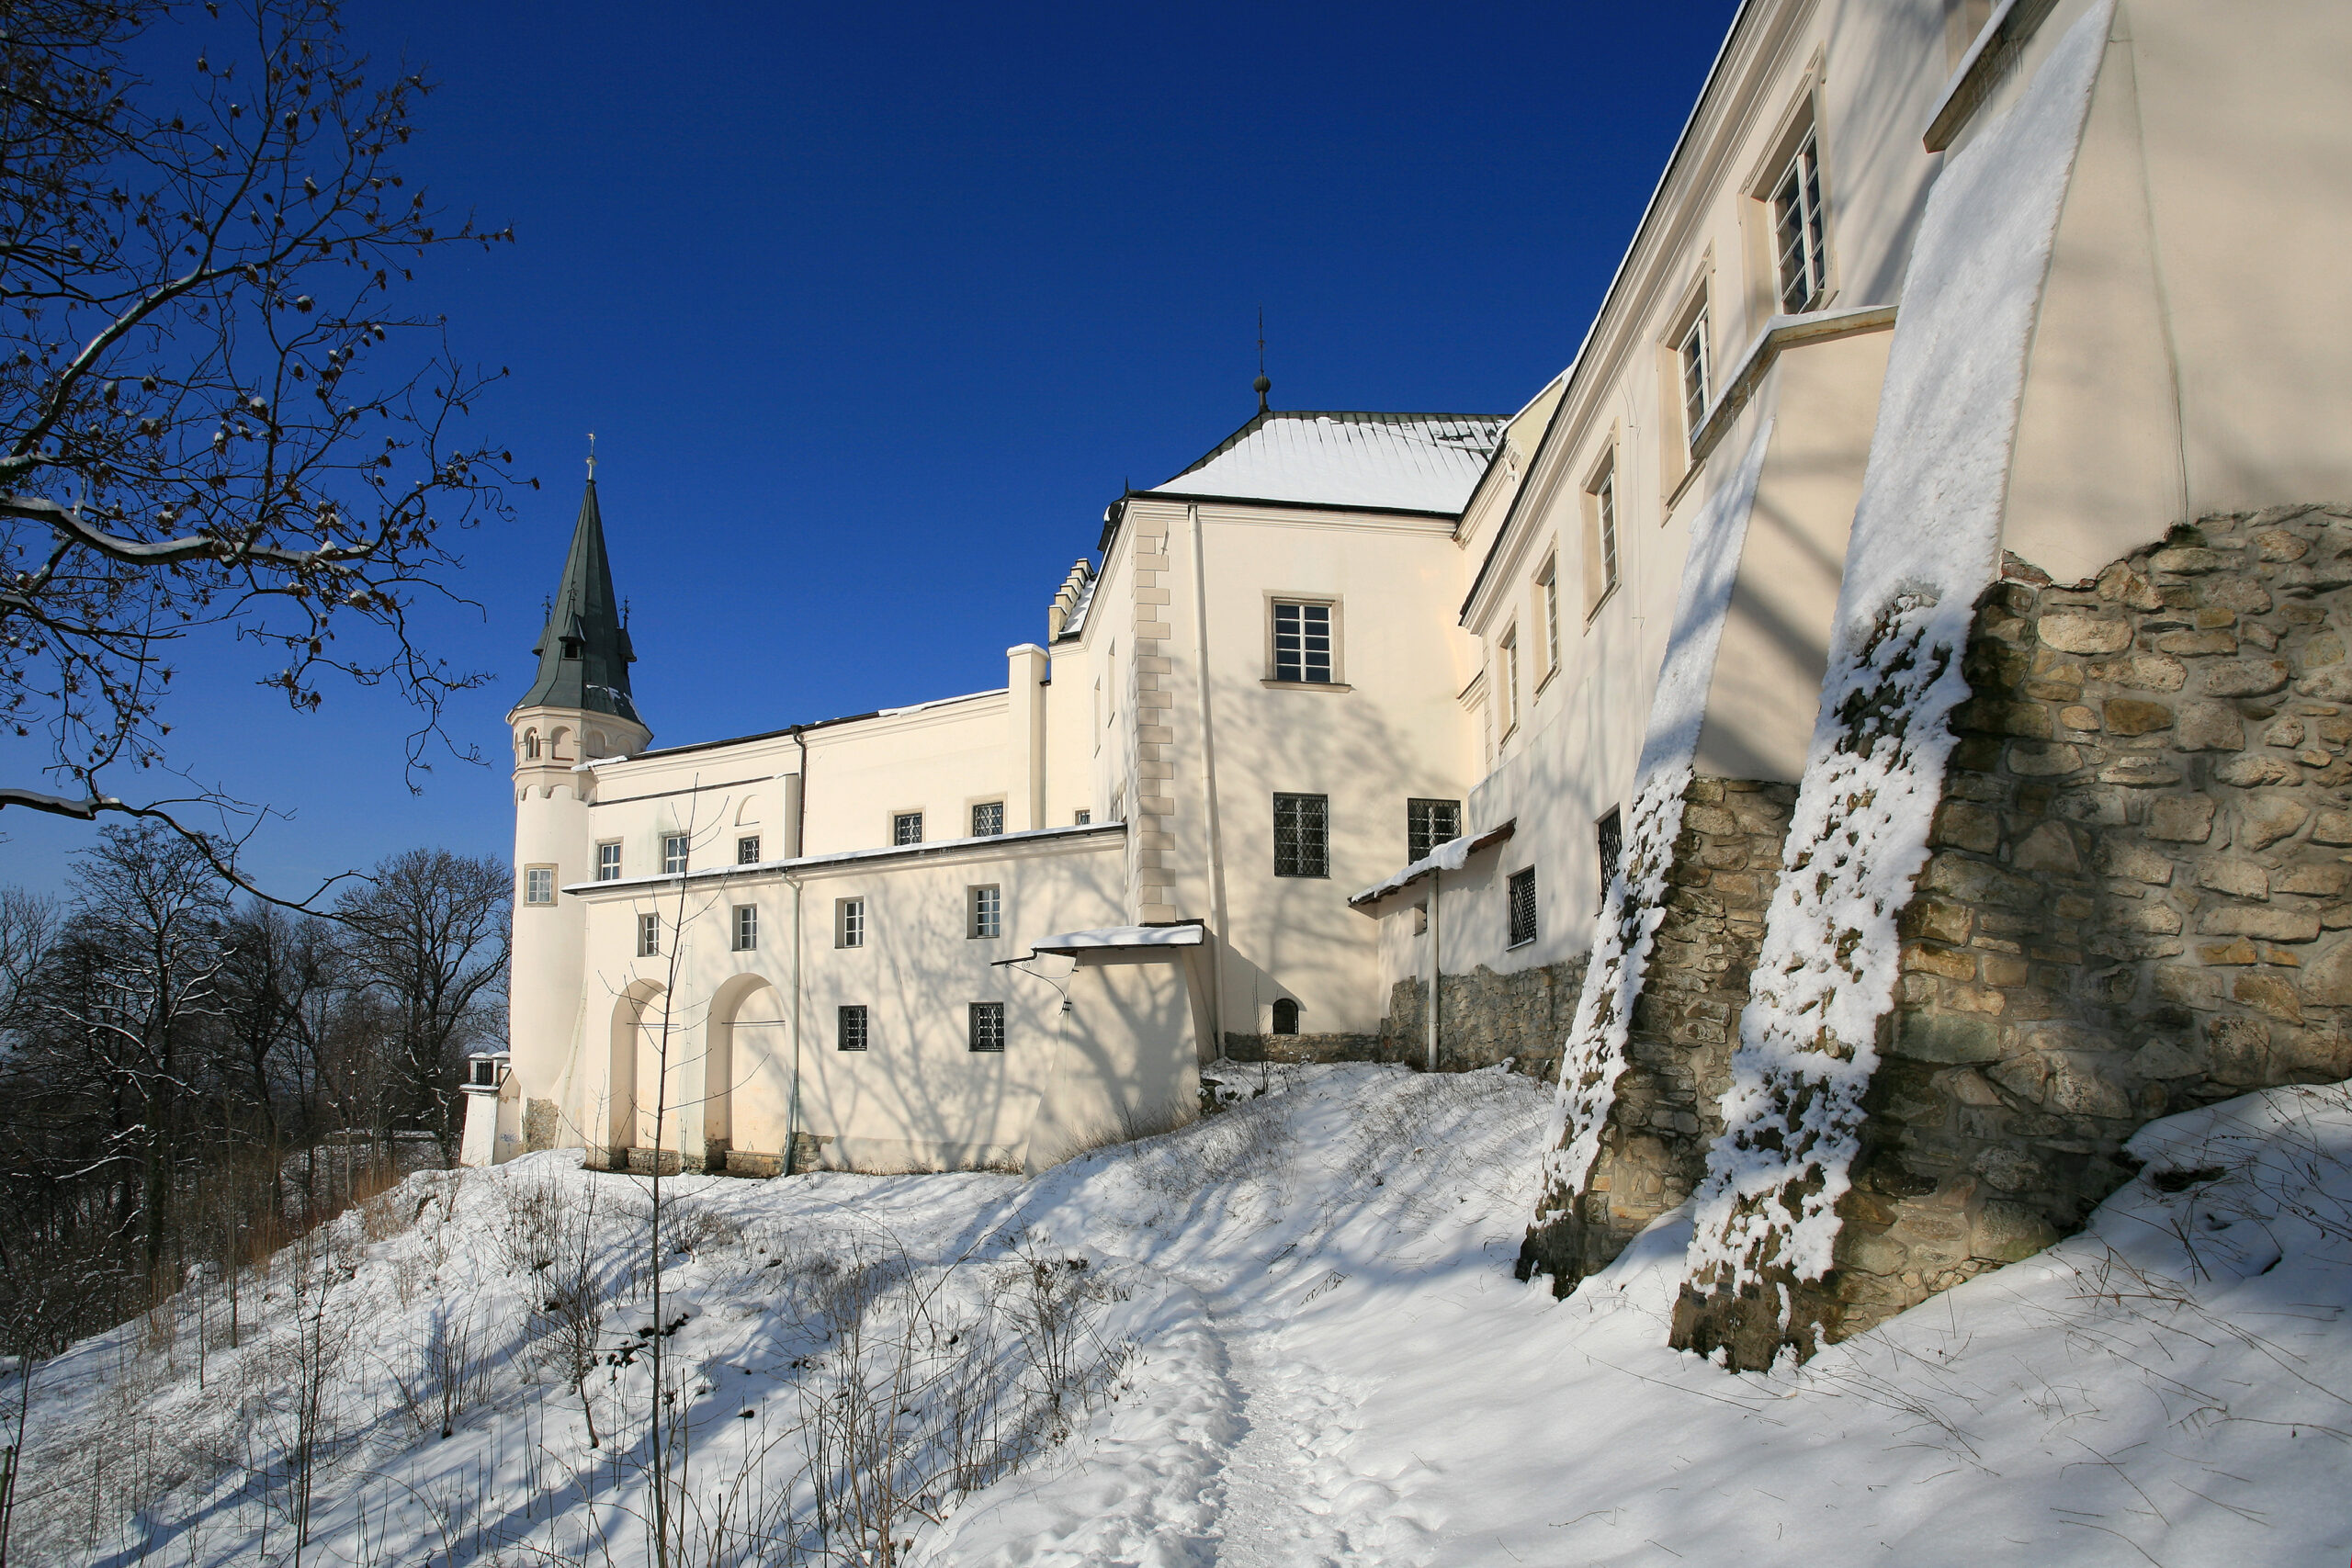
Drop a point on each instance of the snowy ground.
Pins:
(1295, 1340)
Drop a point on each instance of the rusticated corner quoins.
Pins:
(2135, 900)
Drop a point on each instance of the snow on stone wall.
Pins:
(1926, 542)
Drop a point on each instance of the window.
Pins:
(1507, 660)
(984, 911)
(746, 849)
(648, 936)
(1609, 837)
(1547, 589)
(1302, 642)
(987, 1026)
(485, 1072)
(530, 745)
(849, 922)
(1083, 818)
(906, 828)
(1427, 824)
(609, 863)
(1286, 1016)
(1600, 534)
(539, 884)
(988, 819)
(1797, 233)
(1302, 835)
(849, 1032)
(747, 928)
(673, 853)
(1697, 379)
(1522, 907)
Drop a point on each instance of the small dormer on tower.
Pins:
(579, 706)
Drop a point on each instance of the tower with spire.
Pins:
(578, 709)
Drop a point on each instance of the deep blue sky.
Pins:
(873, 308)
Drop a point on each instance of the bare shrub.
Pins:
(450, 1372)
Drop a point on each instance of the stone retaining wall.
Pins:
(2134, 902)
(1667, 1107)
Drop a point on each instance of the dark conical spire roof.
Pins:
(585, 651)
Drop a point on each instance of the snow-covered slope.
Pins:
(1301, 1344)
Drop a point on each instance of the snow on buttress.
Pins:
(1926, 542)
(1330, 1365)
(1594, 1055)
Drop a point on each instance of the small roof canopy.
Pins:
(1451, 855)
(1113, 939)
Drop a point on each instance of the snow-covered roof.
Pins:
(1075, 621)
(1402, 462)
(1451, 855)
(1185, 935)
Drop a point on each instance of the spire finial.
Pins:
(1262, 386)
(591, 457)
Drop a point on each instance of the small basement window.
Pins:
(1286, 1016)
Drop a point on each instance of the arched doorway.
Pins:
(629, 1010)
(746, 1076)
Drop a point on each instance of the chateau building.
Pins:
(1625, 735)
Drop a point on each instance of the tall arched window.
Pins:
(1286, 1016)
(530, 745)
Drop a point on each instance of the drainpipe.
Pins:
(800, 806)
(1437, 958)
(1208, 786)
(792, 1115)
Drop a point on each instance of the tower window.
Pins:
(1286, 1016)
(987, 1026)
(1302, 835)
(849, 922)
(985, 908)
(530, 745)
(988, 819)
(746, 849)
(609, 863)
(673, 854)
(1522, 907)
(539, 884)
(906, 828)
(1797, 232)
(1302, 642)
(850, 1028)
(747, 928)
(1427, 824)
(648, 936)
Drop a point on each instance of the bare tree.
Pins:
(429, 934)
(208, 421)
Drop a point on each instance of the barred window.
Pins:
(747, 928)
(539, 884)
(906, 828)
(1609, 836)
(609, 863)
(1427, 824)
(1302, 642)
(1696, 375)
(648, 936)
(985, 906)
(849, 922)
(987, 1026)
(988, 819)
(673, 853)
(1302, 835)
(1522, 907)
(1797, 232)
(850, 1032)
(746, 849)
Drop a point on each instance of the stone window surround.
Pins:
(983, 911)
(1337, 604)
(849, 922)
(538, 886)
(608, 860)
(746, 928)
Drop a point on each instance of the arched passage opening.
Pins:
(630, 1010)
(747, 1074)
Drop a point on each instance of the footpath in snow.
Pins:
(1286, 1335)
